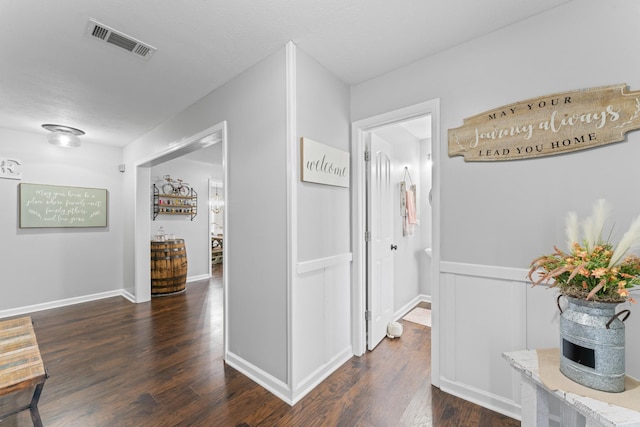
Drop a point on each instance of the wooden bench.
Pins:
(22, 372)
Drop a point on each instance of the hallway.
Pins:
(113, 363)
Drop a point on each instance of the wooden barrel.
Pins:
(168, 267)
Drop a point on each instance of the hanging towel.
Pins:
(403, 199)
(411, 207)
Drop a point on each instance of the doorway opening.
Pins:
(199, 144)
(362, 131)
(398, 222)
(216, 223)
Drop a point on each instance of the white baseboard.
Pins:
(399, 314)
(198, 277)
(78, 300)
(320, 374)
(279, 388)
(65, 302)
(271, 383)
(128, 295)
(480, 397)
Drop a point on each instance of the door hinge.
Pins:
(367, 236)
(367, 156)
(367, 315)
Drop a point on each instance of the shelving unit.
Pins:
(168, 204)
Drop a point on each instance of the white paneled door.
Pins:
(380, 242)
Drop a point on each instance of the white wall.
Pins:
(496, 217)
(287, 355)
(320, 294)
(426, 217)
(253, 105)
(195, 232)
(45, 267)
(322, 115)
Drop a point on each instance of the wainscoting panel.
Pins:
(321, 301)
(543, 317)
(484, 313)
(487, 310)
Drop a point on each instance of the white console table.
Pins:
(576, 410)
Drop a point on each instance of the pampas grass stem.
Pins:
(593, 225)
(572, 230)
(630, 239)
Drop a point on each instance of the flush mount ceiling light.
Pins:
(63, 136)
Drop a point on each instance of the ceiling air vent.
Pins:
(120, 39)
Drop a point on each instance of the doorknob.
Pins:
(394, 247)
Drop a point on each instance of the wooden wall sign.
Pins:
(548, 125)
(323, 164)
(47, 206)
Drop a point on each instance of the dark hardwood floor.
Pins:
(114, 363)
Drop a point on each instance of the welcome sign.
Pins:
(548, 125)
(323, 164)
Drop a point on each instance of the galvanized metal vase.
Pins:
(592, 344)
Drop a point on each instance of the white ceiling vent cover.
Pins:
(117, 38)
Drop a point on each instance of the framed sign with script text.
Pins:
(323, 164)
(548, 125)
(53, 206)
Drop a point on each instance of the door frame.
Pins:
(142, 210)
(359, 216)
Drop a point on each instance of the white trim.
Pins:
(175, 149)
(322, 263)
(448, 303)
(271, 383)
(65, 302)
(141, 227)
(434, 107)
(358, 224)
(399, 314)
(129, 296)
(199, 277)
(142, 222)
(228, 242)
(320, 375)
(209, 221)
(480, 397)
(490, 271)
(82, 299)
(292, 198)
(358, 212)
(142, 264)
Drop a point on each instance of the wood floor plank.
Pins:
(114, 363)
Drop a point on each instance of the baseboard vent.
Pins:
(117, 38)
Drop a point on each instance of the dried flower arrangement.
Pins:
(593, 269)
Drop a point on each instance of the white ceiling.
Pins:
(53, 72)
